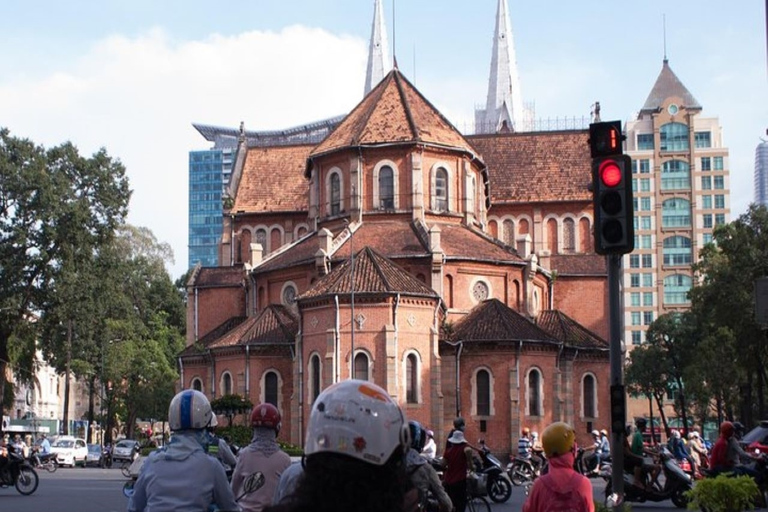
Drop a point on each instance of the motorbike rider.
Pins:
(678, 449)
(536, 452)
(697, 450)
(421, 474)
(181, 475)
(728, 455)
(592, 460)
(524, 445)
(219, 448)
(458, 424)
(354, 454)
(263, 455)
(430, 447)
(562, 488)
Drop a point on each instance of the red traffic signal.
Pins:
(610, 173)
(612, 201)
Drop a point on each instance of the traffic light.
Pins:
(614, 228)
(618, 408)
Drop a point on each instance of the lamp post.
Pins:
(352, 301)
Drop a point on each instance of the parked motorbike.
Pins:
(676, 483)
(46, 461)
(18, 472)
(498, 484)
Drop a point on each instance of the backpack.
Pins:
(562, 501)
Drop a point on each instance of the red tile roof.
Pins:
(569, 331)
(373, 274)
(394, 111)
(461, 242)
(578, 264)
(213, 277)
(536, 167)
(273, 180)
(493, 321)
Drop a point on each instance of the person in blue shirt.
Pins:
(45, 446)
(182, 477)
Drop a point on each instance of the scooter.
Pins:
(18, 473)
(521, 471)
(580, 466)
(498, 483)
(676, 483)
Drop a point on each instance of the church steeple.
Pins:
(378, 58)
(504, 105)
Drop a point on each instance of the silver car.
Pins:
(125, 450)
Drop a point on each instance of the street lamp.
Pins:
(352, 300)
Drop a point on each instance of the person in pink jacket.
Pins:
(561, 489)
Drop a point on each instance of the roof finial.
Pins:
(394, 35)
(378, 60)
(664, 29)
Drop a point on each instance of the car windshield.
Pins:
(64, 443)
(758, 434)
(125, 444)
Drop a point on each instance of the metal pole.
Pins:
(352, 303)
(617, 379)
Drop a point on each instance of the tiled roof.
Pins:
(492, 320)
(233, 324)
(392, 238)
(373, 274)
(578, 264)
(461, 242)
(394, 111)
(211, 277)
(273, 180)
(668, 85)
(569, 331)
(536, 167)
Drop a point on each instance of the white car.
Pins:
(70, 451)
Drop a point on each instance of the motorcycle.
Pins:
(46, 461)
(498, 484)
(580, 466)
(521, 471)
(19, 473)
(106, 456)
(676, 483)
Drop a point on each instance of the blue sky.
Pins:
(134, 76)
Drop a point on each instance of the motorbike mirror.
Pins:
(128, 489)
(252, 483)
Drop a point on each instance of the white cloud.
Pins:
(138, 97)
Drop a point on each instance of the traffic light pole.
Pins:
(618, 400)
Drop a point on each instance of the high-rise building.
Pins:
(681, 192)
(761, 173)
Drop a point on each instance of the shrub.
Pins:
(723, 494)
(601, 507)
(241, 436)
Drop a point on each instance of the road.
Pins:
(100, 490)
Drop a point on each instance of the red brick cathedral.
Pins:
(455, 271)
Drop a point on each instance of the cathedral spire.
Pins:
(504, 105)
(378, 59)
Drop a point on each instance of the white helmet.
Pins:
(596, 433)
(358, 419)
(534, 435)
(190, 410)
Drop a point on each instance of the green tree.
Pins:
(724, 299)
(645, 377)
(55, 207)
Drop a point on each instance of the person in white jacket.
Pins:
(430, 447)
(181, 476)
(262, 455)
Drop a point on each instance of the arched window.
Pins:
(483, 392)
(508, 230)
(271, 386)
(674, 137)
(411, 379)
(569, 235)
(335, 193)
(585, 235)
(261, 238)
(362, 366)
(589, 396)
(675, 175)
(534, 392)
(197, 384)
(676, 213)
(552, 236)
(386, 188)
(314, 377)
(440, 196)
(676, 288)
(677, 251)
(226, 384)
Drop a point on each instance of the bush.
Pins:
(241, 436)
(723, 494)
(601, 507)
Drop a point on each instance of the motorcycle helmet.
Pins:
(604, 432)
(357, 419)
(526, 431)
(418, 435)
(459, 423)
(738, 428)
(266, 415)
(676, 434)
(595, 433)
(534, 435)
(430, 433)
(557, 439)
(190, 410)
(726, 429)
(640, 422)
